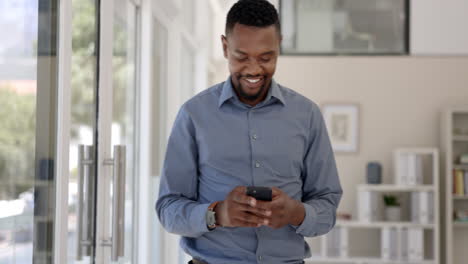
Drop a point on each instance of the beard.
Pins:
(240, 89)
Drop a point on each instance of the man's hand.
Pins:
(284, 209)
(240, 210)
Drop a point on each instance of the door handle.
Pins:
(86, 196)
(118, 203)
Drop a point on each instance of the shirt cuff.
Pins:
(198, 218)
(309, 222)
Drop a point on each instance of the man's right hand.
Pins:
(239, 210)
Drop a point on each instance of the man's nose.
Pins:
(253, 69)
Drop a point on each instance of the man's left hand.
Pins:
(284, 210)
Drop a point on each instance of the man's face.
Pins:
(252, 53)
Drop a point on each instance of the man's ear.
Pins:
(224, 43)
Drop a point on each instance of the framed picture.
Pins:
(342, 121)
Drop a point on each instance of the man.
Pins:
(249, 131)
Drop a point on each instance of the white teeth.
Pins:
(253, 80)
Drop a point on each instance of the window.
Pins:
(344, 26)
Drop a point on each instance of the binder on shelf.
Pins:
(404, 244)
(333, 242)
(415, 211)
(389, 243)
(428, 207)
(324, 245)
(414, 169)
(416, 244)
(336, 242)
(409, 168)
(401, 168)
(368, 206)
(344, 244)
(422, 207)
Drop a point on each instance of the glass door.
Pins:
(116, 155)
(83, 133)
(28, 129)
(124, 120)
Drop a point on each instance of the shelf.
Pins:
(423, 151)
(383, 224)
(460, 197)
(395, 188)
(363, 260)
(460, 138)
(460, 166)
(460, 224)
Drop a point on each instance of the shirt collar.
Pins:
(227, 92)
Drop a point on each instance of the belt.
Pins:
(194, 261)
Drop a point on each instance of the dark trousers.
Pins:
(194, 261)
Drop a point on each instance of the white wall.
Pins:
(400, 100)
(439, 27)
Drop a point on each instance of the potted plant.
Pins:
(392, 208)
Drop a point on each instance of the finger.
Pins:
(242, 198)
(255, 210)
(252, 218)
(241, 223)
(265, 205)
(275, 192)
(239, 189)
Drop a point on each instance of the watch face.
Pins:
(210, 219)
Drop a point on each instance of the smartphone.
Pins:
(259, 193)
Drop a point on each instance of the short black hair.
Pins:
(257, 13)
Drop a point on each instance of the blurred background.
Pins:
(80, 78)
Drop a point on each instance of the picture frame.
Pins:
(342, 121)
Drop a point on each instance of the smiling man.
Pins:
(249, 131)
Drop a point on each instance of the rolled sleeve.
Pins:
(178, 208)
(321, 185)
(198, 218)
(309, 221)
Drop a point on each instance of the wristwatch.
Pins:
(211, 216)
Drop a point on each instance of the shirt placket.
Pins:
(257, 165)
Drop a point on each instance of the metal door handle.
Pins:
(86, 196)
(118, 203)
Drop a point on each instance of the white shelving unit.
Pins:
(343, 252)
(454, 143)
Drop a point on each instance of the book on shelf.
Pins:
(459, 183)
(409, 167)
(466, 182)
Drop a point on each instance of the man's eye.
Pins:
(242, 59)
(265, 59)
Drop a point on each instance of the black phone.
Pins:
(259, 193)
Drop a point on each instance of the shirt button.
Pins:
(260, 257)
(254, 137)
(257, 165)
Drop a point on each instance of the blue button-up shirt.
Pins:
(218, 143)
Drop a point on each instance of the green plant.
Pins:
(391, 200)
